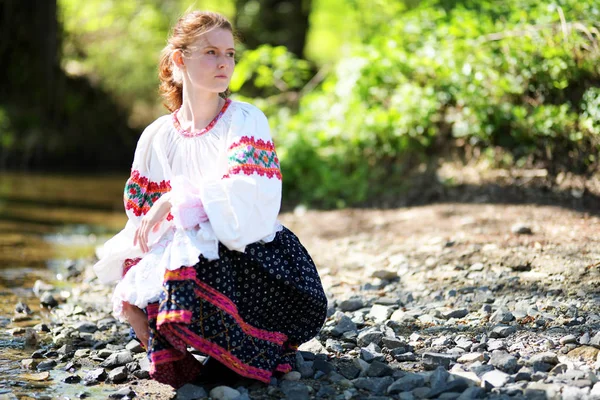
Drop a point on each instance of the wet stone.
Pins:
(117, 375)
(47, 300)
(351, 304)
(72, 379)
(85, 326)
(117, 359)
(293, 390)
(406, 383)
(46, 365)
(121, 393)
(95, 376)
(374, 385)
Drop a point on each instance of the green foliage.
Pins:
(521, 75)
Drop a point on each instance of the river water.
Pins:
(47, 222)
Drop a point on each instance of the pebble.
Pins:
(294, 390)
(191, 392)
(47, 300)
(117, 359)
(117, 375)
(95, 376)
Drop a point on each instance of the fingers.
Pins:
(141, 236)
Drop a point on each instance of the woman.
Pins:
(203, 253)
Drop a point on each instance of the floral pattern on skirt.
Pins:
(250, 311)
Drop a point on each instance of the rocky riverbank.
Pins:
(445, 301)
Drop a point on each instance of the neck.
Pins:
(199, 107)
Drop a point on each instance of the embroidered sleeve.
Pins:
(242, 207)
(248, 155)
(141, 193)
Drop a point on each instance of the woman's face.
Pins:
(209, 64)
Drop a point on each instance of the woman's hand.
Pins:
(152, 220)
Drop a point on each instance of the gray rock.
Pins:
(374, 385)
(380, 313)
(405, 357)
(191, 392)
(351, 304)
(496, 378)
(502, 315)
(85, 326)
(321, 365)
(546, 357)
(350, 369)
(524, 374)
(47, 300)
(123, 392)
(456, 386)
(94, 376)
(343, 325)
(369, 336)
(595, 341)
(293, 390)
(72, 379)
(292, 376)
(472, 393)
(117, 359)
(393, 343)
(585, 338)
(117, 375)
(521, 229)
(458, 313)
(371, 352)
(568, 339)
(503, 361)
(46, 365)
(502, 331)
(326, 392)
(438, 378)
(224, 393)
(406, 383)
(135, 347)
(379, 369)
(433, 360)
(334, 346)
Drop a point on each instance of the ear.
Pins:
(177, 57)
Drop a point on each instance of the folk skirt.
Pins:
(250, 311)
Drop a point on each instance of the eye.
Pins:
(210, 52)
(231, 54)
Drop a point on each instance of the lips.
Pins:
(221, 76)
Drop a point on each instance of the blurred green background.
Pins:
(360, 94)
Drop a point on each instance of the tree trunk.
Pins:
(275, 22)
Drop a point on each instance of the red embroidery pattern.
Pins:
(248, 156)
(190, 133)
(141, 193)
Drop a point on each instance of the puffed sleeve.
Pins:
(146, 183)
(243, 205)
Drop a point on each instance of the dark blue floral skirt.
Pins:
(249, 311)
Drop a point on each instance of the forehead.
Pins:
(220, 38)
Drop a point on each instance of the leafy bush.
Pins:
(521, 75)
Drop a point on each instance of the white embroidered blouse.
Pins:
(226, 187)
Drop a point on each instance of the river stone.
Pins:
(583, 353)
(438, 378)
(568, 339)
(393, 343)
(407, 383)
(503, 361)
(117, 359)
(378, 369)
(47, 300)
(94, 376)
(350, 369)
(46, 365)
(344, 324)
(380, 313)
(433, 360)
(293, 390)
(458, 313)
(369, 336)
(470, 357)
(445, 390)
(85, 326)
(72, 379)
(351, 304)
(292, 376)
(502, 331)
(117, 375)
(29, 363)
(496, 378)
(312, 346)
(546, 357)
(374, 385)
(122, 392)
(472, 393)
(191, 392)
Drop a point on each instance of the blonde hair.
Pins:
(184, 33)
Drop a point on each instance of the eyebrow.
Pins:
(215, 47)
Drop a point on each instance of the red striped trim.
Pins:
(285, 368)
(223, 303)
(217, 352)
(174, 316)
